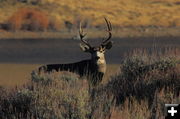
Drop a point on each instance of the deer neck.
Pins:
(100, 65)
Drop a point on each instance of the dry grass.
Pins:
(135, 110)
(18, 74)
(130, 18)
(15, 74)
(121, 13)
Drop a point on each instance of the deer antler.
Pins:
(109, 29)
(82, 35)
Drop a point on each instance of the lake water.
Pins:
(40, 51)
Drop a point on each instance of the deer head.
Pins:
(97, 53)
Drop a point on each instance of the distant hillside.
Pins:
(121, 13)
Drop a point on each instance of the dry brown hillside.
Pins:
(121, 12)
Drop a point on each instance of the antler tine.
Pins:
(82, 35)
(109, 29)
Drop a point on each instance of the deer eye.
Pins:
(102, 50)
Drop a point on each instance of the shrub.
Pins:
(143, 79)
(54, 25)
(34, 2)
(41, 99)
(29, 19)
(58, 96)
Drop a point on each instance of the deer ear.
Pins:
(84, 47)
(108, 45)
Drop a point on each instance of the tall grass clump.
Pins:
(152, 79)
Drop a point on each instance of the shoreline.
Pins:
(124, 32)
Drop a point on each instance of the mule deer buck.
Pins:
(93, 68)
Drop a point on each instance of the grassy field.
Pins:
(165, 13)
(12, 75)
(15, 74)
